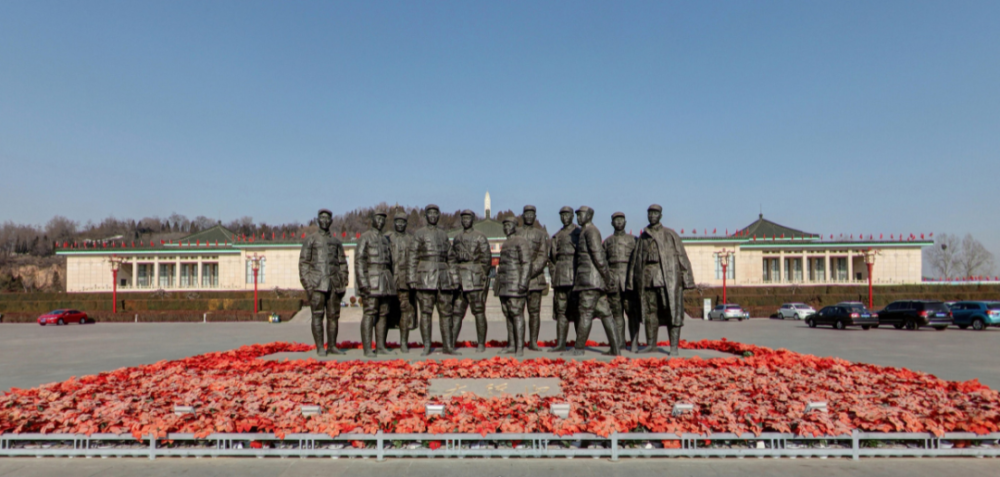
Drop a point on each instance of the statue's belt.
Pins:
(432, 258)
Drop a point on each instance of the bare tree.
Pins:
(943, 256)
(975, 260)
(60, 228)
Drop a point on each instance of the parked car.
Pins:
(795, 310)
(912, 314)
(977, 314)
(62, 317)
(727, 311)
(842, 316)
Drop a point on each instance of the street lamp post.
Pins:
(116, 263)
(869, 256)
(255, 265)
(724, 257)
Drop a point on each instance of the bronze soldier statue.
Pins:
(512, 282)
(659, 273)
(472, 257)
(430, 274)
(374, 281)
(592, 281)
(538, 241)
(618, 248)
(402, 308)
(323, 273)
(561, 256)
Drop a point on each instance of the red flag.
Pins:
(682, 230)
(921, 236)
(357, 235)
(303, 235)
(713, 231)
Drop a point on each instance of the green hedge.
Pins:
(160, 317)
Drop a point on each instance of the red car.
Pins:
(62, 317)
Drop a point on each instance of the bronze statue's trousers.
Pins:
(444, 299)
(513, 310)
(403, 310)
(563, 308)
(658, 311)
(534, 317)
(464, 300)
(594, 304)
(620, 306)
(375, 314)
(325, 303)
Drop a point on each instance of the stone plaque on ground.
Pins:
(448, 387)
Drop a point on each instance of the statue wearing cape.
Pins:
(674, 266)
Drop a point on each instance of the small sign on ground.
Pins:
(448, 387)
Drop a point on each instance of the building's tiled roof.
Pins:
(215, 234)
(765, 228)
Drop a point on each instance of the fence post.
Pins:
(614, 446)
(152, 447)
(855, 445)
(379, 447)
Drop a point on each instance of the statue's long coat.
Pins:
(674, 265)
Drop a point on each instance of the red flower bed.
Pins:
(766, 390)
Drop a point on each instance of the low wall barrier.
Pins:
(380, 446)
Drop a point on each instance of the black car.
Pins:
(912, 314)
(842, 316)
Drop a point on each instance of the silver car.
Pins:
(727, 312)
(798, 311)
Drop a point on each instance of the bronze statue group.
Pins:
(397, 274)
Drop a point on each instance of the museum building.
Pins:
(762, 254)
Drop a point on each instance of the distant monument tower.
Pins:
(486, 204)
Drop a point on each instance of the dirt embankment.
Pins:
(32, 274)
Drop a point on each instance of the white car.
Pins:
(799, 311)
(727, 311)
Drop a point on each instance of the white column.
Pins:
(177, 272)
(156, 272)
(850, 266)
(805, 267)
(198, 285)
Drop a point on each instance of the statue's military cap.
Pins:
(529, 208)
(324, 211)
(468, 212)
(401, 215)
(381, 212)
(618, 214)
(510, 219)
(656, 207)
(566, 208)
(432, 206)
(584, 208)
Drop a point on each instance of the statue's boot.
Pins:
(456, 328)
(519, 336)
(481, 332)
(562, 330)
(366, 336)
(652, 330)
(317, 331)
(611, 329)
(381, 332)
(404, 335)
(511, 343)
(331, 337)
(447, 340)
(620, 331)
(425, 333)
(675, 340)
(534, 322)
(582, 335)
(633, 333)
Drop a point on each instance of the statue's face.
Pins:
(509, 228)
(324, 221)
(583, 217)
(399, 225)
(378, 222)
(618, 223)
(654, 217)
(566, 218)
(467, 222)
(529, 218)
(432, 216)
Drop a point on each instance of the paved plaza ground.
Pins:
(31, 355)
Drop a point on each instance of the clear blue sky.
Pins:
(834, 116)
